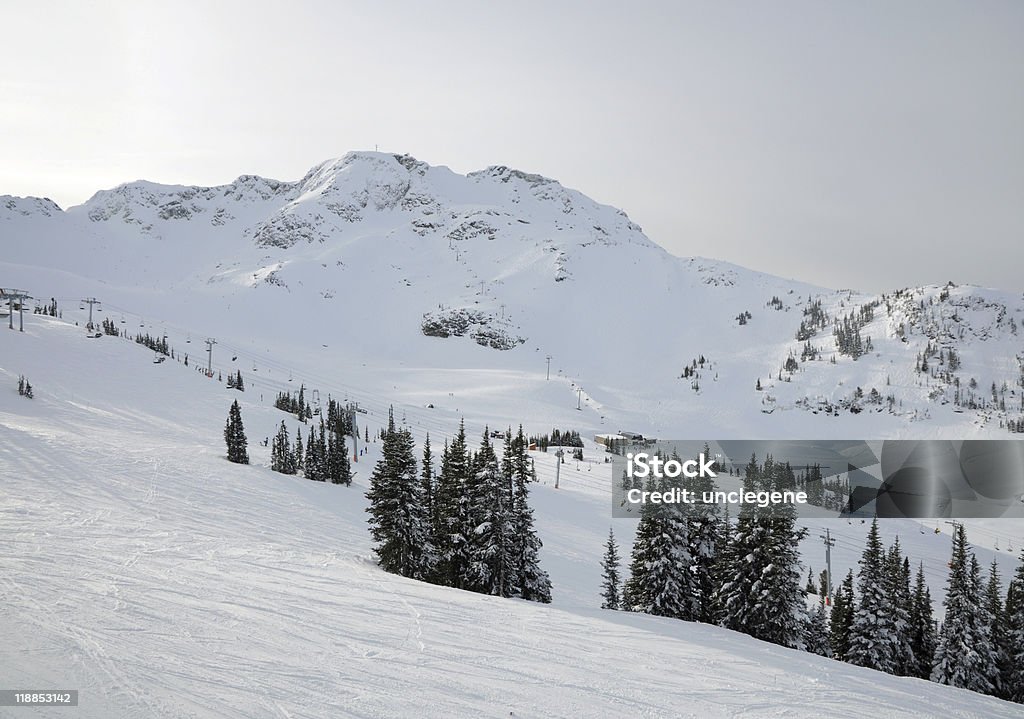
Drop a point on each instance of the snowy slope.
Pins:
(334, 278)
(140, 567)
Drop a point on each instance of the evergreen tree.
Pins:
(610, 584)
(300, 463)
(761, 595)
(281, 457)
(876, 629)
(922, 628)
(234, 436)
(963, 655)
(452, 531)
(1013, 612)
(898, 575)
(397, 521)
(427, 485)
(841, 623)
(816, 632)
(339, 467)
(532, 583)
(239, 382)
(993, 603)
(491, 570)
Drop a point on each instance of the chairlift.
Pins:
(188, 339)
(122, 319)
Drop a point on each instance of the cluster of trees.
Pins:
(49, 309)
(469, 525)
(557, 438)
(980, 644)
(157, 344)
(325, 456)
(690, 562)
(294, 404)
(744, 316)
(847, 331)
(1015, 426)
(774, 303)
(815, 318)
(25, 387)
(235, 381)
(110, 327)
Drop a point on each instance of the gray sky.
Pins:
(853, 144)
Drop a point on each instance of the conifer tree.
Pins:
(875, 630)
(281, 457)
(531, 581)
(234, 436)
(816, 632)
(993, 604)
(1013, 612)
(761, 595)
(427, 485)
(842, 618)
(922, 628)
(491, 570)
(397, 522)
(963, 655)
(898, 575)
(451, 533)
(300, 464)
(610, 574)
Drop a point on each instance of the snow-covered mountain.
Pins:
(138, 564)
(391, 277)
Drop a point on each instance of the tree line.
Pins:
(694, 563)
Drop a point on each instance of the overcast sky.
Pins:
(853, 144)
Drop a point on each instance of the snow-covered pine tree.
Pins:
(761, 595)
(397, 521)
(339, 469)
(637, 591)
(450, 510)
(491, 566)
(300, 463)
(1013, 611)
(897, 573)
(841, 619)
(922, 628)
(234, 436)
(816, 632)
(993, 603)
(301, 405)
(738, 574)
(704, 542)
(281, 457)
(611, 579)
(875, 630)
(963, 655)
(427, 486)
(531, 582)
(239, 382)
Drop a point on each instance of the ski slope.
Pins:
(140, 567)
